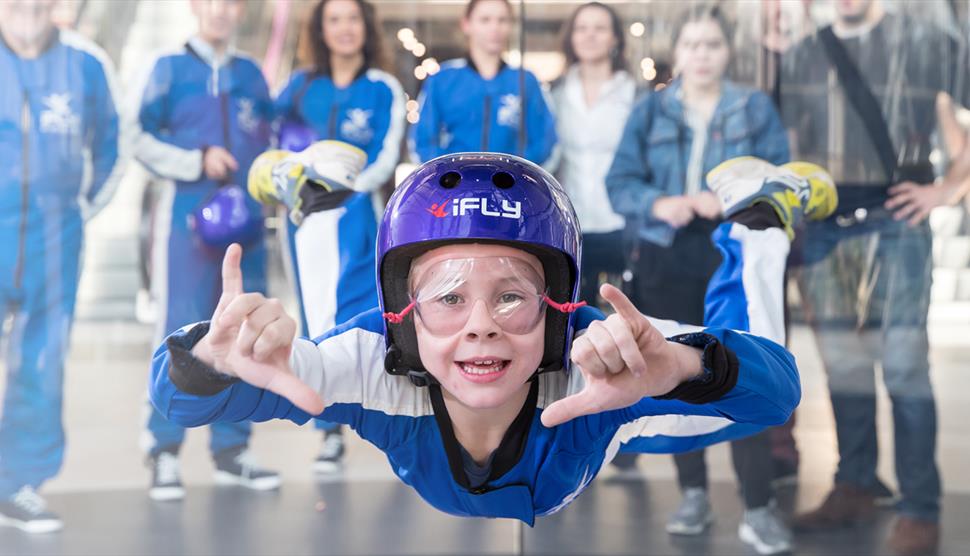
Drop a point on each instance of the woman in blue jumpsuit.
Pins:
(347, 97)
(475, 103)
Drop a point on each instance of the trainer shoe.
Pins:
(797, 190)
(330, 458)
(166, 479)
(764, 529)
(693, 515)
(235, 466)
(27, 511)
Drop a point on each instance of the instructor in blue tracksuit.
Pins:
(203, 115)
(57, 109)
(475, 103)
(347, 97)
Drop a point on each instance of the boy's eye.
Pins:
(450, 299)
(509, 298)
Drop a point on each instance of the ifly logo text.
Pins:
(461, 207)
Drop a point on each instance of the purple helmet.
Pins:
(296, 136)
(478, 198)
(226, 218)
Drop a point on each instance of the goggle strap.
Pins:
(396, 318)
(563, 307)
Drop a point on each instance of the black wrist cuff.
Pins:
(720, 371)
(189, 374)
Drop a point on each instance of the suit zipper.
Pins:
(25, 122)
(332, 123)
(487, 122)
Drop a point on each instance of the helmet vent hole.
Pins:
(503, 180)
(450, 180)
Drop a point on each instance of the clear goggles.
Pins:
(447, 293)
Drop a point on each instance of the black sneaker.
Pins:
(330, 458)
(27, 511)
(166, 480)
(235, 466)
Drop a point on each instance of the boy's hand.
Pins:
(251, 337)
(623, 360)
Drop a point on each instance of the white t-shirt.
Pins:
(588, 136)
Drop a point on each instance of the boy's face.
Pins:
(480, 321)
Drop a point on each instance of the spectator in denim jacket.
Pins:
(672, 139)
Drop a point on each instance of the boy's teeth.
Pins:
(482, 367)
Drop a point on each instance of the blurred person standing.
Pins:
(59, 151)
(475, 103)
(345, 95)
(203, 114)
(657, 183)
(866, 280)
(592, 101)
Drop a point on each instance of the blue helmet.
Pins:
(296, 136)
(478, 198)
(226, 218)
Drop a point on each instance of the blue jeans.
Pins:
(867, 299)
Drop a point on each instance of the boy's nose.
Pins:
(480, 322)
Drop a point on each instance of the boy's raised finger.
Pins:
(623, 306)
(232, 279)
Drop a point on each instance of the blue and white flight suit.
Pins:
(57, 111)
(544, 468)
(461, 111)
(191, 100)
(332, 252)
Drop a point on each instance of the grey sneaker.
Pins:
(235, 466)
(27, 511)
(693, 515)
(166, 482)
(330, 458)
(764, 529)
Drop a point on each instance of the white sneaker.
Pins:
(236, 467)
(764, 529)
(330, 459)
(166, 480)
(694, 514)
(27, 511)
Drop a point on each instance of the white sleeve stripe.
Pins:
(166, 160)
(374, 176)
(672, 425)
(550, 164)
(412, 143)
(90, 208)
(161, 158)
(349, 369)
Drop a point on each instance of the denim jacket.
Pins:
(651, 160)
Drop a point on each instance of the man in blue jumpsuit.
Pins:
(203, 116)
(57, 108)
